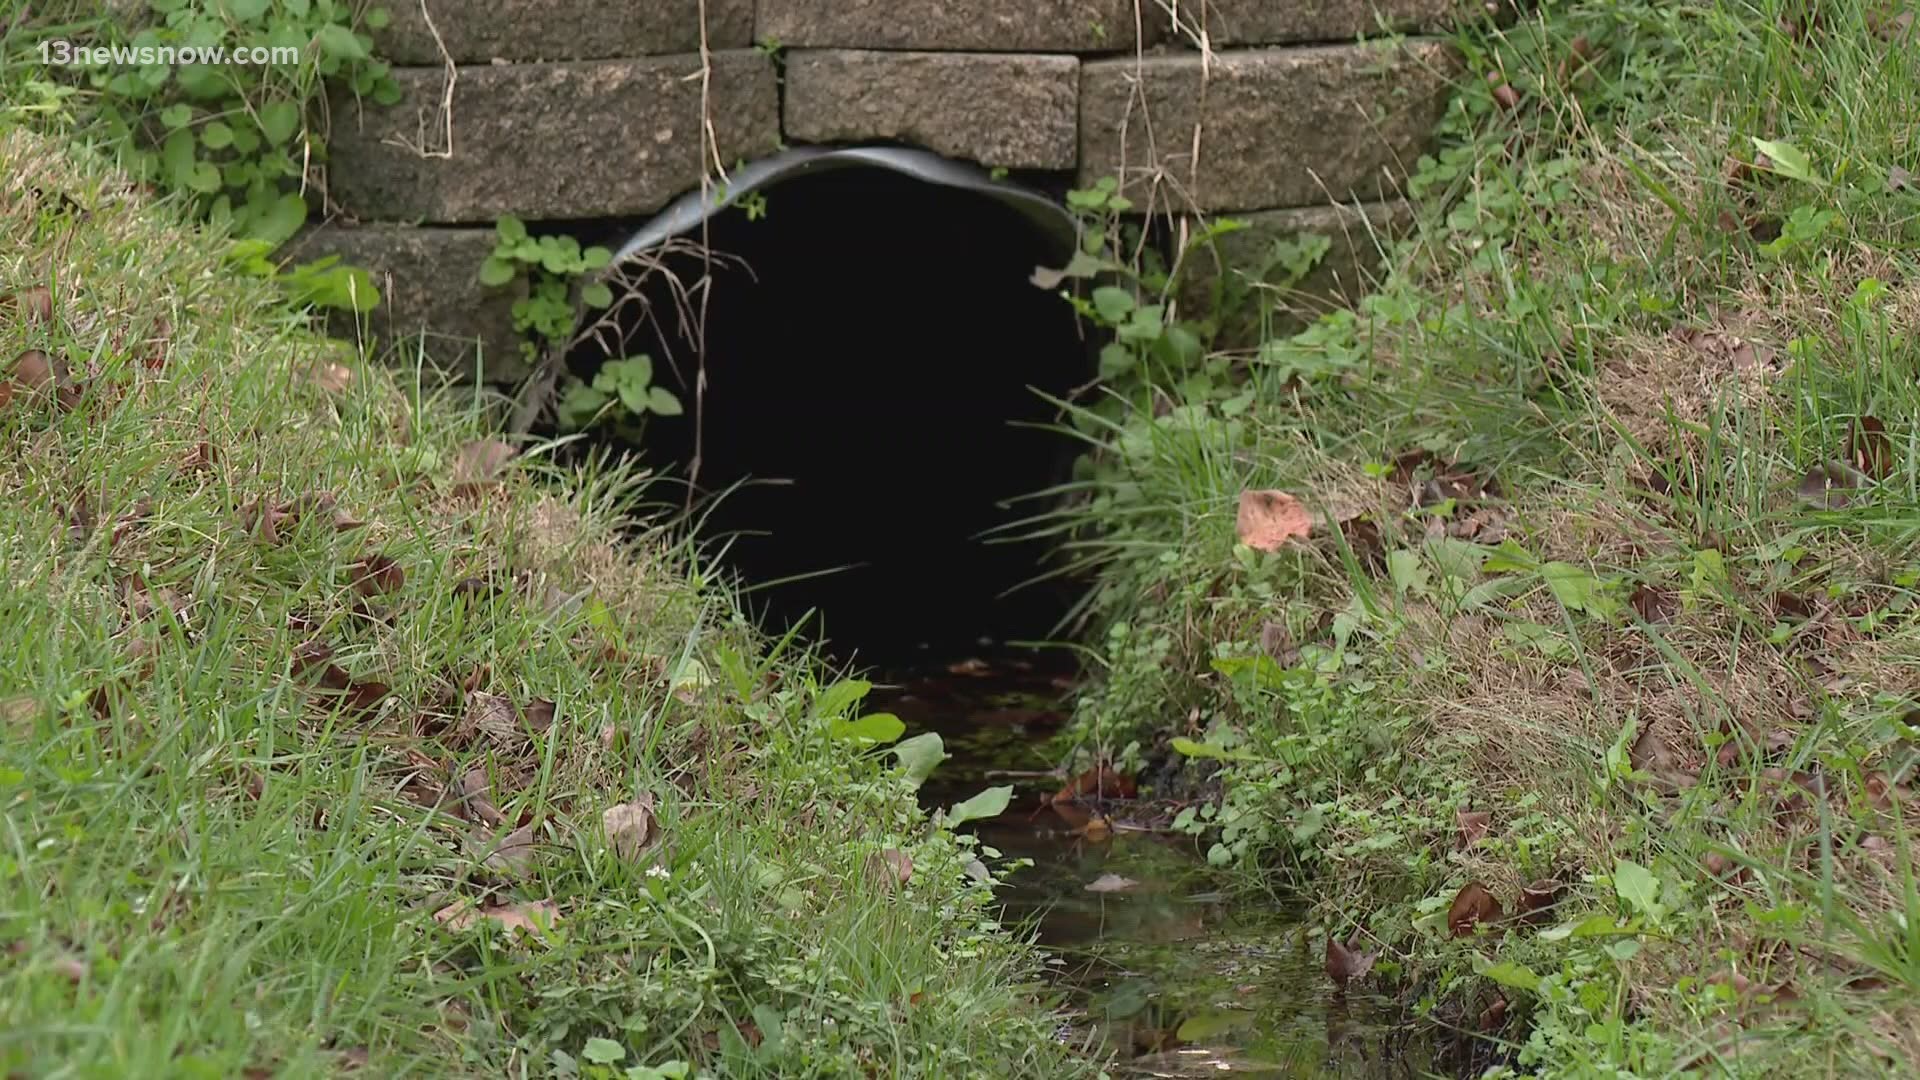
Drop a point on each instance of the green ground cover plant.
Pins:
(1546, 617)
(341, 735)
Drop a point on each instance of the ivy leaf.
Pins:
(510, 229)
(279, 120)
(989, 803)
(216, 136)
(496, 272)
(661, 402)
(177, 115)
(338, 41)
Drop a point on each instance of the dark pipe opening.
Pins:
(871, 364)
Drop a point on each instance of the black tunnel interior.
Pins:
(871, 367)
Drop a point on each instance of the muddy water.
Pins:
(1156, 968)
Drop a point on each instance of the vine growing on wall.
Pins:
(243, 141)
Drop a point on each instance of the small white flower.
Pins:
(658, 871)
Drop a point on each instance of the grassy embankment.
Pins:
(335, 736)
(1616, 628)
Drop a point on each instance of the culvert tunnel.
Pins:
(875, 359)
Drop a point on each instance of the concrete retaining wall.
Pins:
(557, 110)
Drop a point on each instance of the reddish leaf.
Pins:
(377, 574)
(331, 377)
(1473, 825)
(1268, 519)
(631, 827)
(33, 371)
(1100, 782)
(534, 918)
(1869, 448)
(1472, 906)
(1537, 900)
(33, 305)
(479, 464)
(1345, 962)
(1651, 604)
(890, 868)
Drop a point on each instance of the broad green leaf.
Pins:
(603, 1051)
(176, 116)
(378, 18)
(216, 136)
(596, 295)
(920, 755)
(1113, 303)
(661, 402)
(1204, 750)
(1598, 925)
(496, 272)
(1576, 589)
(1788, 160)
(336, 40)
(595, 257)
(510, 229)
(835, 700)
(247, 10)
(989, 803)
(279, 120)
(1637, 885)
(1508, 973)
(874, 728)
(277, 221)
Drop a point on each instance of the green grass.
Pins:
(210, 865)
(1638, 648)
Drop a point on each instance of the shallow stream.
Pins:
(1157, 968)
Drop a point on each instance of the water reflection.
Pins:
(1160, 971)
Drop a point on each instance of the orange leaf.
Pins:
(1268, 519)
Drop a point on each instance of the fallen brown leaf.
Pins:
(514, 853)
(1345, 962)
(33, 371)
(1267, 519)
(889, 868)
(475, 801)
(1651, 604)
(1101, 781)
(479, 464)
(533, 918)
(1829, 485)
(1869, 449)
(1537, 900)
(1899, 179)
(375, 575)
(1493, 1015)
(201, 458)
(631, 827)
(1472, 906)
(1473, 825)
(331, 377)
(33, 305)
